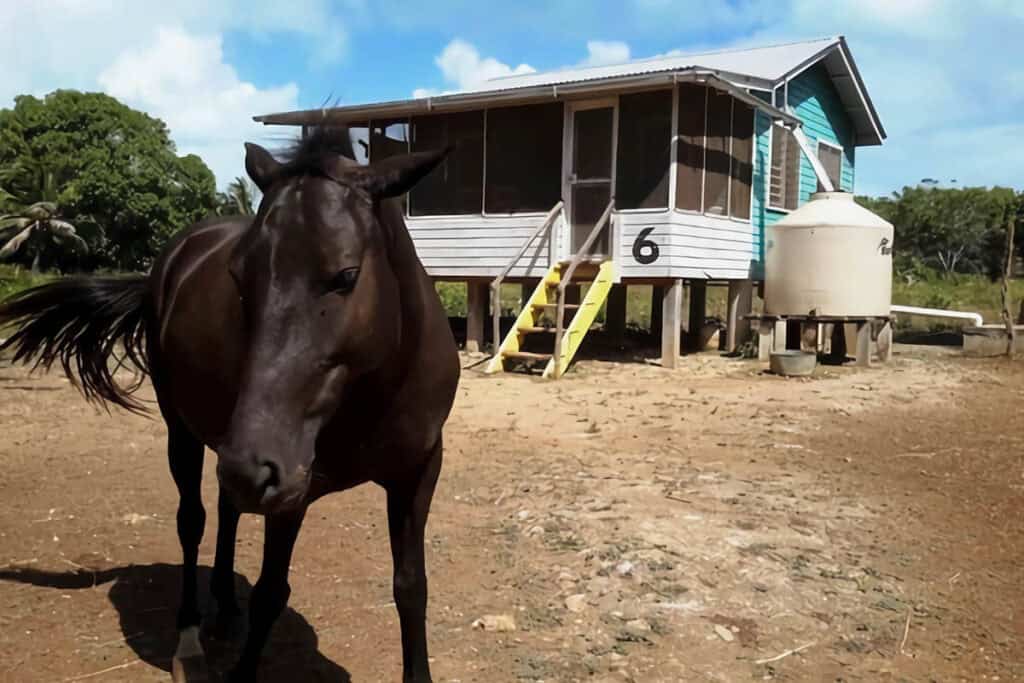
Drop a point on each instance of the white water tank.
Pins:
(830, 257)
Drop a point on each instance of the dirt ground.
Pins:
(713, 523)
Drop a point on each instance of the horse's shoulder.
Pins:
(187, 251)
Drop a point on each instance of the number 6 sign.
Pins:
(645, 251)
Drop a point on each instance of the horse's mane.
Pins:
(310, 154)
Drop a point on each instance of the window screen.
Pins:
(524, 158)
(388, 139)
(456, 185)
(742, 172)
(644, 153)
(832, 159)
(690, 152)
(784, 189)
(359, 133)
(717, 163)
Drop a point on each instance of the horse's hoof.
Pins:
(189, 662)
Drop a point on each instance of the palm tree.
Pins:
(31, 213)
(239, 199)
(39, 221)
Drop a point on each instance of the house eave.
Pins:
(459, 101)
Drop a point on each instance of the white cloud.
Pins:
(462, 65)
(182, 78)
(600, 52)
(52, 44)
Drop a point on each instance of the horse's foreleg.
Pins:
(270, 594)
(222, 582)
(185, 456)
(408, 507)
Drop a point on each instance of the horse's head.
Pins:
(320, 303)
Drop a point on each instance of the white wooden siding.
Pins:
(690, 245)
(480, 246)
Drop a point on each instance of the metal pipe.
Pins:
(939, 313)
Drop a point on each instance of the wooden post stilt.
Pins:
(671, 331)
(477, 305)
(741, 298)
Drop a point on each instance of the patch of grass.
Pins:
(14, 279)
(638, 301)
(972, 293)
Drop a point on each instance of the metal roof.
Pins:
(767, 64)
(754, 68)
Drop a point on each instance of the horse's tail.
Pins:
(81, 322)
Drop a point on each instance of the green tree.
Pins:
(959, 230)
(115, 166)
(32, 228)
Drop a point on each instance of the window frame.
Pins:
(771, 158)
(838, 182)
(704, 146)
(673, 132)
(524, 214)
(483, 174)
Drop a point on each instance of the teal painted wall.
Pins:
(814, 99)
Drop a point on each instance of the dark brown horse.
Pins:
(306, 346)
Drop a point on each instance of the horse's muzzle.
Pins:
(261, 485)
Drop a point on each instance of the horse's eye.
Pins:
(345, 281)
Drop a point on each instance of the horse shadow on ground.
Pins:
(146, 600)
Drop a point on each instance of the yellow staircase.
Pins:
(540, 316)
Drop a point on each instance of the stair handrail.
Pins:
(566, 278)
(549, 220)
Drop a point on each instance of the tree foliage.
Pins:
(240, 199)
(959, 230)
(114, 170)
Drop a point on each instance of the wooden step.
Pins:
(590, 260)
(526, 356)
(531, 329)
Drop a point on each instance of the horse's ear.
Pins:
(395, 176)
(260, 165)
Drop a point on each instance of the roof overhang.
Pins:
(834, 55)
(842, 70)
(736, 84)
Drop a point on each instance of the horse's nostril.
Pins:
(269, 476)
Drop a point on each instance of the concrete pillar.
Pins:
(864, 344)
(765, 339)
(781, 336)
(615, 313)
(741, 301)
(885, 343)
(809, 337)
(477, 306)
(671, 316)
(657, 299)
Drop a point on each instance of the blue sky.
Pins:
(946, 76)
